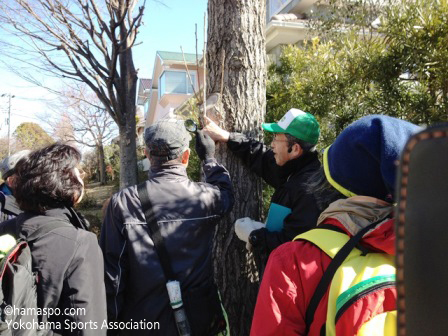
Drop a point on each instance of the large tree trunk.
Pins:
(127, 130)
(236, 28)
(128, 152)
(102, 164)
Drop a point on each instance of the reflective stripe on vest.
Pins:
(358, 275)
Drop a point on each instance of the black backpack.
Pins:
(8, 207)
(18, 296)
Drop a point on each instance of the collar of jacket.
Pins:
(5, 189)
(168, 170)
(29, 221)
(298, 165)
(357, 212)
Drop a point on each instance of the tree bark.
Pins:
(102, 164)
(128, 129)
(236, 28)
(128, 154)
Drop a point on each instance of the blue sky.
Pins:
(167, 27)
(168, 24)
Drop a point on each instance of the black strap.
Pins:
(338, 259)
(154, 231)
(364, 250)
(9, 205)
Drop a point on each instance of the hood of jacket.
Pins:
(27, 222)
(355, 213)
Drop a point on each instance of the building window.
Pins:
(275, 6)
(176, 82)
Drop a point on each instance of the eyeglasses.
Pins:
(279, 140)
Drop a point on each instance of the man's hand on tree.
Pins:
(214, 131)
(205, 146)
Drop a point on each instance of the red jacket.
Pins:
(294, 270)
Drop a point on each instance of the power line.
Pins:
(9, 95)
(41, 100)
(23, 116)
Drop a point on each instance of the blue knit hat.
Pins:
(362, 160)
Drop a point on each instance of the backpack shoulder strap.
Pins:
(339, 256)
(328, 240)
(154, 231)
(2, 200)
(9, 205)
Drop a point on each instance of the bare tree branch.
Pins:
(82, 121)
(85, 41)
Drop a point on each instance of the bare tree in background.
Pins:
(83, 121)
(236, 30)
(87, 41)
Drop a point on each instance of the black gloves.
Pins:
(205, 146)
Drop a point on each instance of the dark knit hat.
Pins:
(167, 139)
(362, 160)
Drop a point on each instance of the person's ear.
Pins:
(10, 181)
(296, 151)
(186, 156)
(78, 198)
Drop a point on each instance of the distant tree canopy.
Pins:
(30, 135)
(399, 69)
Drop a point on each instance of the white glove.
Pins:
(244, 226)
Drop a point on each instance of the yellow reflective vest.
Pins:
(362, 294)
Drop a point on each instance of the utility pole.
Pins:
(9, 120)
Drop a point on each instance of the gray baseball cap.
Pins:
(8, 164)
(167, 138)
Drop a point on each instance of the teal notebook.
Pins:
(276, 215)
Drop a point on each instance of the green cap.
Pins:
(297, 123)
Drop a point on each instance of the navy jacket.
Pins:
(187, 213)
